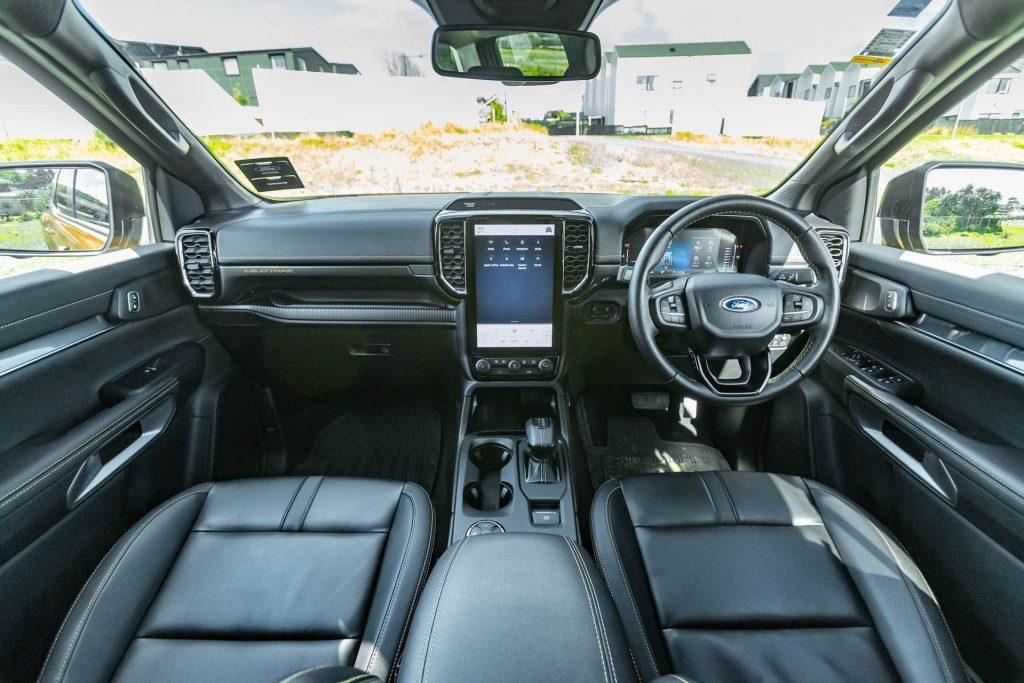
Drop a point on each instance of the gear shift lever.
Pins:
(542, 464)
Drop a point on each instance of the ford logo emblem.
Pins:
(740, 304)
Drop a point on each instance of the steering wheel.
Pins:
(733, 316)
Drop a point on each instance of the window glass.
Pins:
(726, 99)
(91, 196)
(45, 207)
(62, 192)
(970, 164)
(231, 66)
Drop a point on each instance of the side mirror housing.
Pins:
(955, 208)
(70, 208)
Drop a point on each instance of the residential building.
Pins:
(807, 84)
(1001, 97)
(656, 84)
(843, 84)
(838, 84)
(232, 71)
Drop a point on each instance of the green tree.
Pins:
(239, 96)
(969, 209)
(497, 111)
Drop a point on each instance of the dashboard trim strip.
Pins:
(402, 315)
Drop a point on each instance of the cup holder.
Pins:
(489, 493)
(490, 456)
(479, 495)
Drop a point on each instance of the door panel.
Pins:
(97, 426)
(940, 455)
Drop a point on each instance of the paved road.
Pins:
(686, 149)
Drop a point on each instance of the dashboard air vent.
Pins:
(577, 238)
(451, 253)
(838, 244)
(198, 262)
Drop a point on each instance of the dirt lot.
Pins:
(523, 158)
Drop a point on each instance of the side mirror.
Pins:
(515, 55)
(68, 207)
(955, 208)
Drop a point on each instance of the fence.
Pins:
(987, 126)
(568, 127)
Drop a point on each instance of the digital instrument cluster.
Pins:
(718, 245)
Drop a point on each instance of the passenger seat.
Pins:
(253, 580)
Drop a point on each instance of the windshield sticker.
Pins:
(270, 173)
(909, 8)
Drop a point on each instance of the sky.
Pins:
(1007, 182)
(784, 35)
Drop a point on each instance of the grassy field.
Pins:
(491, 157)
(450, 158)
(22, 235)
(1011, 236)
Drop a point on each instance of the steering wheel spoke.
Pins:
(743, 376)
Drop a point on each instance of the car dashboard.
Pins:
(400, 290)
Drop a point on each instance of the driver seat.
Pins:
(742, 576)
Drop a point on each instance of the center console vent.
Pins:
(838, 244)
(198, 261)
(451, 254)
(578, 241)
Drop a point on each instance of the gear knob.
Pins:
(540, 437)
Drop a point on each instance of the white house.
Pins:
(1002, 97)
(842, 84)
(837, 84)
(807, 85)
(658, 85)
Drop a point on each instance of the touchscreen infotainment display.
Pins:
(514, 273)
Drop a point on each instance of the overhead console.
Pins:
(514, 263)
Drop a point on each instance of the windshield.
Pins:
(693, 98)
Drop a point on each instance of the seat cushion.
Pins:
(751, 576)
(253, 580)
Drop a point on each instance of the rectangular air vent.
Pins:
(198, 262)
(451, 254)
(577, 247)
(838, 244)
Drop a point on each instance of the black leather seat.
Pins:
(748, 576)
(252, 581)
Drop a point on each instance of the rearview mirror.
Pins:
(955, 208)
(517, 55)
(67, 208)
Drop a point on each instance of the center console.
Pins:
(514, 268)
(513, 470)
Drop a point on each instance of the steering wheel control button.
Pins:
(671, 310)
(797, 308)
(485, 526)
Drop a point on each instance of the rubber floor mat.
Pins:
(634, 447)
(381, 440)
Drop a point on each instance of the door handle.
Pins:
(883, 424)
(111, 456)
